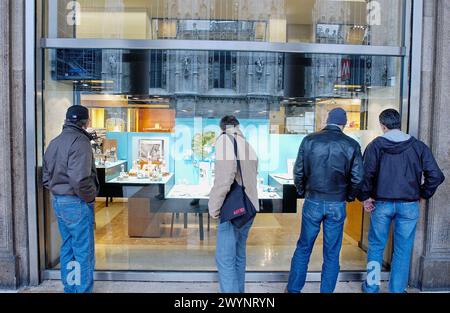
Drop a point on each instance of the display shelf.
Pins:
(140, 181)
(288, 191)
(111, 164)
(282, 179)
(201, 192)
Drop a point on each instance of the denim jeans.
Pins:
(404, 215)
(333, 215)
(77, 257)
(231, 256)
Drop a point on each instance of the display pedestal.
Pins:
(141, 222)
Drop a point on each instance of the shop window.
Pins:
(154, 149)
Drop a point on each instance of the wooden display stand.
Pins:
(141, 221)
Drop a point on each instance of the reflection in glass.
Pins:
(312, 21)
(155, 144)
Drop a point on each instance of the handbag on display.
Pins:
(237, 206)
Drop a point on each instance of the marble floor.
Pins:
(271, 244)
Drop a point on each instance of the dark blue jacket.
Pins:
(399, 171)
(329, 166)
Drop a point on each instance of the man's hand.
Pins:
(369, 205)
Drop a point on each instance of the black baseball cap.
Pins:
(77, 113)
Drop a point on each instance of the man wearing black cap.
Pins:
(69, 173)
(328, 172)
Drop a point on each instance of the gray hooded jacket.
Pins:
(69, 165)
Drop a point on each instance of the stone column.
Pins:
(8, 261)
(13, 220)
(431, 257)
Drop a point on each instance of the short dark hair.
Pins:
(227, 121)
(391, 119)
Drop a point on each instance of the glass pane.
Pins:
(311, 21)
(156, 117)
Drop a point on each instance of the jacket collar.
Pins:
(333, 127)
(75, 127)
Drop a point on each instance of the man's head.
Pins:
(228, 121)
(78, 115)
(338, 117)
(390, 119)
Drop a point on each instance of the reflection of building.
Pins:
(196, 81)
(248, 83)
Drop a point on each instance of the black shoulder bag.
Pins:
(237, 207)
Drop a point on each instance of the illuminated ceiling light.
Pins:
(159, 106)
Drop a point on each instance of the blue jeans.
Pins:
(404, 215)
(231, 256)
(77, 257)
(333, 215)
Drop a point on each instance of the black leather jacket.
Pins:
(69, 165)
(329, 166)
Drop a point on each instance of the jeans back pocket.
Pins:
(409, 210)
(69, 211)
(313, 210)
(337, 211)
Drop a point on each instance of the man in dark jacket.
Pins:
(69, 173)
(328, 172)
(400, 170)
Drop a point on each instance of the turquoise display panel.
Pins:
(273, 150)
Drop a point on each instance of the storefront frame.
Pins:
(34, 46)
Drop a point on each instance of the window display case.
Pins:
(169, 168)
(156, 156)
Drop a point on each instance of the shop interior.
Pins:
(155, 115)
(135, 147)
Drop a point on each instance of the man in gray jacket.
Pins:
(69, 173)
(232, 241)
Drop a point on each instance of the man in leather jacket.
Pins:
(69, 173)
(327, 173)
(400, 170)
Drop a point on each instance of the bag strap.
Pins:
(238, 162)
